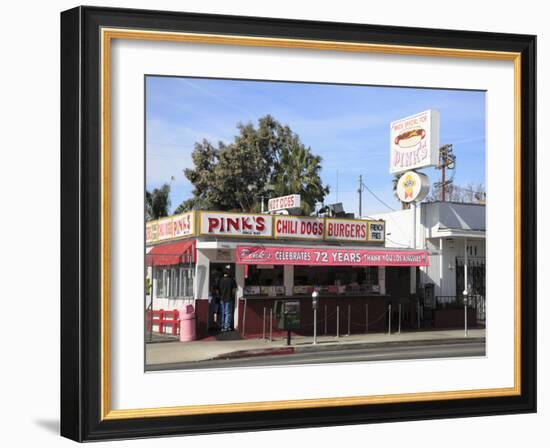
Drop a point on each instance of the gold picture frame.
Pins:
(105, 26)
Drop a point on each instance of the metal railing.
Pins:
(475, 301)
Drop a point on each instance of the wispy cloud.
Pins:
(348, 126)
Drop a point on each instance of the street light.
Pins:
(314, 305)
(465, 292)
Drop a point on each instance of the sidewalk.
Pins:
(174, 352)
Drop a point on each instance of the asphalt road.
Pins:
(377, 353)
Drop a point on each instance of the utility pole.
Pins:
(442, 180)
(360, 191)
(446, 161)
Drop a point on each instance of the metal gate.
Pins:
(476, 284)
(476, 275)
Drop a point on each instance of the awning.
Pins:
(329, 256)
(174, 253)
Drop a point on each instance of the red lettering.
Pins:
(284, 226)
(260, 224)
(213, 224)
(233, 223)
(246, 223)
(342, 230)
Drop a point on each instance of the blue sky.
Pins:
(348, 126)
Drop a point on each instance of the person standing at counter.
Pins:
(226, 292)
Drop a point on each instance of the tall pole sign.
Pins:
(414, 142)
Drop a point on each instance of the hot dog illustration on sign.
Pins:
(414, 141)
(410, 138)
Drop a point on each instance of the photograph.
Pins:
(292, 223)
(336, 219)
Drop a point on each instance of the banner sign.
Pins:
(235, 224)
(184, 225)
(177, 226)
(282, 227)
(346, 229)
(414, 142)
(376, 232)
(283, 202)
(286, 227)
(329, 256)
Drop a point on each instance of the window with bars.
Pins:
(186, 277)
(174, 282)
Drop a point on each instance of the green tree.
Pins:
(205, 158)
(157, 202)
(263, 161)
(298, 172)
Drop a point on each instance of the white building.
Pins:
(274, 258)
(451, 233)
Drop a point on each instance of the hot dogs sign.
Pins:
(414, 142)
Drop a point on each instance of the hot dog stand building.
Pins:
(279, 257)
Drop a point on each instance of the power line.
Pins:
(395, 242)
(470, 190)
(378, 199)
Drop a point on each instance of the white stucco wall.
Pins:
(442, 269)
(434, 223)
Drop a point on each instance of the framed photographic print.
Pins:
(273, 223)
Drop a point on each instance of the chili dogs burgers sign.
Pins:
(299, 227)
(253, 225)
(414, 142)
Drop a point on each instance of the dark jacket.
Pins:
(226, 286)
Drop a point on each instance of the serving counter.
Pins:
(356, 313)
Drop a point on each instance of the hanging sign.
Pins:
(329, 256)
(412, 187)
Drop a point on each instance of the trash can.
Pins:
(188, 331)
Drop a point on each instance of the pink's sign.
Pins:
(329, 256)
